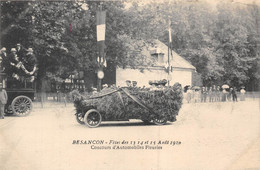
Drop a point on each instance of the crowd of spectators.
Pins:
(203, 94)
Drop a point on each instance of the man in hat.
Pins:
(3, 101)
(13, 57)
(234, 94)
(30, 62)
(218, 94)
(13, 68)
(128, 83)
(29, 66)
(20, 51)
(3, 51)
(204, 93)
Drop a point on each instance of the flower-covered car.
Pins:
(117, 104)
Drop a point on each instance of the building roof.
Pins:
(176, 61)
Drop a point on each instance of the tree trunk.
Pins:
(90, 79)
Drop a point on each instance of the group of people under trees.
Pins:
(213, 94)
(20, 64)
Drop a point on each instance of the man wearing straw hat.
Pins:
(13, 58)
(13, 66)
(3, 52)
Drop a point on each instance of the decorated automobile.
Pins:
(151, 105)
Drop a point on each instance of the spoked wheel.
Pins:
(160, 121)
(22, 105)
(92, 118)
(80, 118)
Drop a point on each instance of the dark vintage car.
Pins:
(20, 95)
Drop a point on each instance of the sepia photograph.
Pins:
(130, 85)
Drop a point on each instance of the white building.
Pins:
(181, 70)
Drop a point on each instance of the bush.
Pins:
(164, 102)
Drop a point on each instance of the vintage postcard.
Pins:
(130, 85)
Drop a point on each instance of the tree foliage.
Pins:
(219, 40)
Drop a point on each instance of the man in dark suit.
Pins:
(30, 64)
(234, 94)
(30, 61)
(204, 93)
(20, 51)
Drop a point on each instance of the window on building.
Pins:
(160, 58)
(159, 55)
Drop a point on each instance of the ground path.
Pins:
(213, 136)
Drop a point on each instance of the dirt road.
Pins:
(206, 136)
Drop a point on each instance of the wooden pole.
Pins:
(169, 41)
(101, 17)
